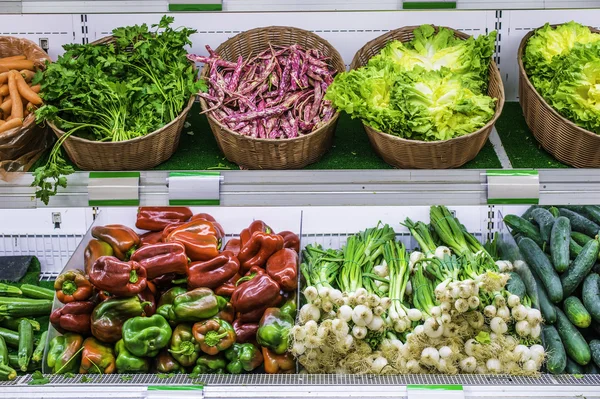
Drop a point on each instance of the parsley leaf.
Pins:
(126, 378)
(164, 375)
(37, 378)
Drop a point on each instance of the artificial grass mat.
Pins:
(198, 149)
(521, 147)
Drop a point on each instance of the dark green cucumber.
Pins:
(12, 323)
(33, 291)
(515, 285)
(524, 227)
(592, 212)
(559, 243)
(590, 294)
(542, 268)
(11, 337)
(3, 352)
(527, 214)
(580, 223)
(574, 343)
(576, 312)
(580, 238)
(591, 368)
(25, 344)
(9, 290)
(38, 353)
(580, 267)
(554, 211)
(42, 308)
(545, 221)
(546, 307)
(574, 248)
(556, 356)
(573, 367)
(595, 350)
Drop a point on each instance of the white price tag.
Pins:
(194, 188)
(513, 187)
(435, 392)
(114, 189)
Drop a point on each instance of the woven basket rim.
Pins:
(134, 140)
(205, 70)
(523, 75)
(482, 130)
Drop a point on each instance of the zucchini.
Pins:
(575, 345)
(38, 353)
(580, 267)
(11, 300)
(33, 291)
(13, 361)
(556, 356)
(573, 367)
(515, 285)
(25, 344)
(9, 290)
(554, 211)
(580, 223)
(43, 308)
(13, 323)
(545, 221)
(7, 373)
(3, 352)
(576, 312)
(11, 337)
(546, 307)
(595, 350)
(526, 228)
(580, 238)
(591, 295)
(559, 243)
(542, 267)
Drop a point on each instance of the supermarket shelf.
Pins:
(303, 386)
(327, 188)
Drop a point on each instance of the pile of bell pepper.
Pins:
(178, 299)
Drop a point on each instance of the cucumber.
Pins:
(554, 211)
(33, 291)
(25, 344)
(546, 307)
(580, 267)
(596, 268)
(526, 228)
(574, 248)
(575, 345)
(559, 243)
(515, 285)
(592, 212)
(527, 214)
(573, 367)
(542, 267)
(576, 312)
(580, 238)
(591, 296)
(580, 223)
(545, 221)
(556, 356)
(595, 350)
(591, 368)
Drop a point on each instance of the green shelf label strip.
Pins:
(428, 5)
(113, 189)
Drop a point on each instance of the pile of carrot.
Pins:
(17, 97)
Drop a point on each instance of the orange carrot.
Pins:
(6, 107)
(18, 64)
(3, 78)
(27, 75)
(11, 124)
(17, 103)
(25, 90)
(3, 69)
(2, 122)
(13, 58)
(4, 90)
(36, 88)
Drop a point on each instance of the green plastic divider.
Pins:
(428, 5)
(195, 7)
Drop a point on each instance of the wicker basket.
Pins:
(416, 154)
(255, 153)
(137, 154)
(566, 141)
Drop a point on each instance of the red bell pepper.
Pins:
(123, 240)
(282, 266)
(291, 240)
(213, 273)
(257, 250)
(156, 218)
(245, 332)
(148, 298)
(206, 216)
(228, 287)
(93, 251)
(259, 291)
(200, 238)
(255, 314)
(167, 230)
(233, 245)
(159, 259)
(278, 364)
(227, 313)
(257, 225)
(151, 237)
(117, 277)
(74, 317)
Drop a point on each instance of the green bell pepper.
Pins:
(145, 336)
(274, 329)
(243, 357)
(194, 305)
(289, 307)
(184, 348)
(207, 364)
(64, 353)
(214, 335)
(128, 363)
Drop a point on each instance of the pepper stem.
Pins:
(69, 287)
(245, 278)
(212, 338)
(133, 277)
(186, 348)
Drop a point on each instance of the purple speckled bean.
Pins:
(260, 129)
(246, 130)
(314, 76)
(307, 112)
(317, 103)
(275, 134)
(239, 126)
(233, 83)
(211, 51)
(248, 116)
(305, 127)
